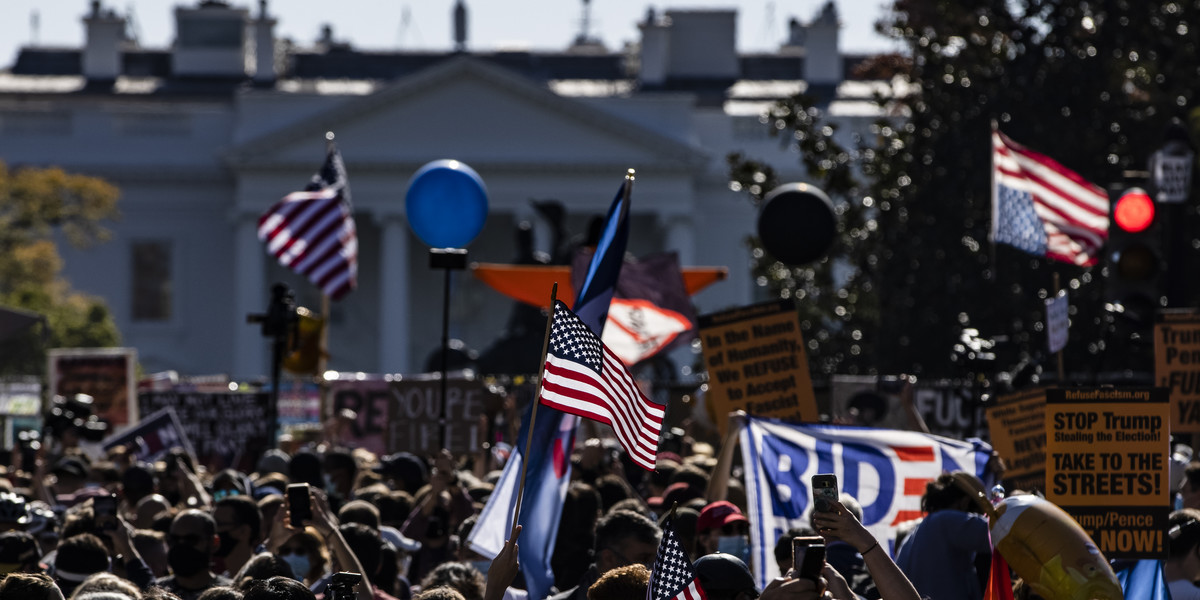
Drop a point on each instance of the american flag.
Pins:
(1043, 208)
(312, 232)
(584, 378)
(673, 577)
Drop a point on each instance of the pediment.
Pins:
(473, 111)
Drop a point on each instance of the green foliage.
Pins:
(34, 205)
(1090, 84)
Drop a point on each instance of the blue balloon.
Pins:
(446, 204)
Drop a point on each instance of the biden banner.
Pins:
(884, 469)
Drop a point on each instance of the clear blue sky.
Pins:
(426, 24)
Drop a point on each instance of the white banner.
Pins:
(884, 469)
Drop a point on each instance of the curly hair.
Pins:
(621, 583)
(459, 576)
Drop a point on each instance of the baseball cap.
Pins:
(724, 574)
(718, 514)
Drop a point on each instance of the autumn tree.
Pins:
(37, 208)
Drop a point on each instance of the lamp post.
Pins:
(446, 206)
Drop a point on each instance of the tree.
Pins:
(1090, 84)
(35, 205)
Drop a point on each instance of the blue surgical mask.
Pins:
(736, 545)
(299, 564)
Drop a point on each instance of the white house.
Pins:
(203, 136)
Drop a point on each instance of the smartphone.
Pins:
(800, 545)
(299, 505)
(825, 490)
(809, 560)
(105, 509)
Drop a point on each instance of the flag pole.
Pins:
(533, 415)
(1061, 370)
(995, 207)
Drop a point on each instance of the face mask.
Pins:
(186, 561)
(228, 542)
(736, 545)
(481, 565)
(299, 564)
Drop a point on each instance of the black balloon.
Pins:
(797, 223)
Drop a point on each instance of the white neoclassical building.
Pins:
(203, 136)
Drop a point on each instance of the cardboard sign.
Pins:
(1017, 425)
(404, 414)
(105, 374)
(1177, 366)
(757, 363)
(226, 429)
(153, 437)
(1107, 466)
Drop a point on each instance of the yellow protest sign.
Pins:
(1017, 426)
(757, 363)
(1107, 465)
(1177, 365)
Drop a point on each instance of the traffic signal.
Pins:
(1135, 259)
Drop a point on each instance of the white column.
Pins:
(394, 308)
(250, 297)
(681, 237)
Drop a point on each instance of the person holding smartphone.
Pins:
(839, 524)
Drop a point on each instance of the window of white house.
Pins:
(152, 281)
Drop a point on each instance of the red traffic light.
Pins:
(1134, 211)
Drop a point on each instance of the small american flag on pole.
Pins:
(312, 232)
(1043, 208)
(673, 577)
(584, 378)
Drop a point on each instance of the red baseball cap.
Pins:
(717, 515)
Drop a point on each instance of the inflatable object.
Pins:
(446, 204)
(1050, 551)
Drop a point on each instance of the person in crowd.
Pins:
(622, 583)
(191, 543)
(239, 529)
(277, 588)
(78, 557)
(622, 538)
(724, 577)
(221, 593)
(31, 586)
(441, 592)
(340, 472)
(403, 472)
(443, 505)
(576, 533)
(152, 546)
(940, 555)
(1182, 568)
(722, 527)
(102, 584)
(263, 565)
(19, 553)
(1189, 491)
(150, 508)
(461, 576)
(306, 554)
(844, 558)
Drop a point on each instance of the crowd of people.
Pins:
(323, 521)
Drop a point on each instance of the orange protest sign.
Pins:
(1107, 465)
(1177, 365)
(757, 363)
(1017, 426)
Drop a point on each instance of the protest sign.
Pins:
(1057, 321)
(299, 405)
(757, 363)
(403, 413)
(1017, 425)
(1177, 365)
(227, 429)
(950, 409)
(1106, 465)
(105, 374)
(152, 437)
